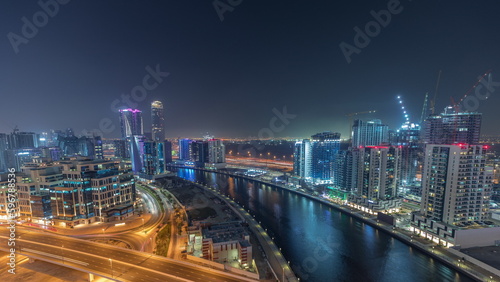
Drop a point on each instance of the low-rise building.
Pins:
(473, 234)
(227, 242)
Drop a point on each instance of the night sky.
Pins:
(225, 77)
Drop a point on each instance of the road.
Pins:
(126, 264)
(285, 166)
(137, 235)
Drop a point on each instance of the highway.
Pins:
(284, 166)
(133, 236)
(115, 262)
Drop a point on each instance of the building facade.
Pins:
(369, 133)
(324, 149)
(216, 151)
(302, 158)
(157, 121)
(185, 149)
(378, 171)
(456, 184)
(131, 123)
(452, 127)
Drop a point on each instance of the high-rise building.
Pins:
(122, 149)
(16, 158)
(456, 184)
(324, 149)
(347, 169)
(199, 152)
(137, 152)
(378, 170)
(370, 133)
(185, 149)
(216, 151)
(22, 140)
(408, 139)
(131, 123)
(157, 121)
(302, 158)
(43, 139)
(452, 127)
(167, 152)
(3, 147)
(81, 146)
(150, 158)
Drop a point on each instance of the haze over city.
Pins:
(227, 76)
(238, 140)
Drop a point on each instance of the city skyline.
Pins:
(236, 140)
(301, 61)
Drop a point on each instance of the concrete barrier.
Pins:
(206, 261)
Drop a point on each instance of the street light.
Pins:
(111, 263)
(62, 254)
(103, 231)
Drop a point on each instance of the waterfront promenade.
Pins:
(453, 258)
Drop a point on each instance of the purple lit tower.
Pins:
(132, 132)
(131, 122)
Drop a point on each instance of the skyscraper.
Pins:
(199, 152)
(22, 140)
(452, 127)
(82, 146)
(150, 160)
(370, 133)
(157, 121)
(137, 152)
(184, 149)
(456, 184)
(408, 139)
(324, 148)
(347, 169)
(167, 152)
(377, 170)
(3, 147)
(302, 158)
(216, 151)
(131, 122)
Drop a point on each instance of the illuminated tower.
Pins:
(324, 149)
(131, 122)
(157, 121)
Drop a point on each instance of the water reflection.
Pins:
(323, 244)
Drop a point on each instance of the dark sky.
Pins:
(227, 76)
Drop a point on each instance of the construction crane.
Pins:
(457, 105)
(424, 109)
(405, 114)
(433, 101)
(360, 113)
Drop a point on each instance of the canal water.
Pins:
(321, 243)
